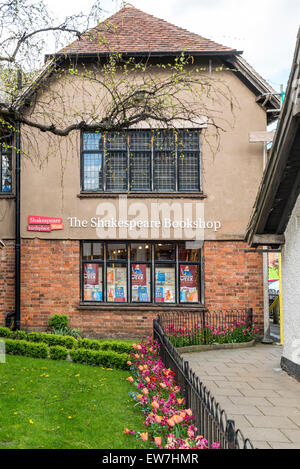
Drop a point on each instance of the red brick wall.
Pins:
(50, 284)
(233, 277)
(7, 279)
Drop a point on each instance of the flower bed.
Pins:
(236, 332)
(168, 423)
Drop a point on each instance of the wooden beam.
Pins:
(266, 137)
(268, 239)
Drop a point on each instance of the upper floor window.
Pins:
(141, 160)
(5, 167)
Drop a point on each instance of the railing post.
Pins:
(186, 381)
(230, 434)
(250, 316)
(203, 326)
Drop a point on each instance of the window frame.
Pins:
(152, 263)
(151, 165)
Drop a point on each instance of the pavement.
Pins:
(251, 387)
(275, 332)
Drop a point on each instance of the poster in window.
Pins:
(119, 294)
(90, 274)
(138, 274)
(110, 276)
(143, 294)
(120, 276)
(88, 293)
(97, 295)
(188, 283)
(188, 276)
(159, 294)
(110, 294)
(160, 277)
(135, 293)
(169, 295)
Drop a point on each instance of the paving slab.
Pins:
(271, 421)
(255, 392)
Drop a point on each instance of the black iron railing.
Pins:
(200, 327)
(210, 419)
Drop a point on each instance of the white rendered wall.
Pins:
(291, 287)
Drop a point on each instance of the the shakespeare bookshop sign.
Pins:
(138, 220)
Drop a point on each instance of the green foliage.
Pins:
(5, 332)
(67, 331)
(20, 335)
(237, 332)
(118, 346)
(108, 358)
(58, 353)
(58, 321)
(28, 349)
(52, 339)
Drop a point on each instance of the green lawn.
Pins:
(48, 404)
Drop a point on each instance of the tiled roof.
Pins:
(132, 31)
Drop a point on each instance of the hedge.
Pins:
(52, 339)
(5, 332)
(115, 345)
(57, 352)
(19, 335)
(108, 358)
(28, 349)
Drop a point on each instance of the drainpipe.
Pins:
(18, 232)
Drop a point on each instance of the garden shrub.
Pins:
(105, 358)
(67, 331)
(28, 349)
(52, 339)
(115, 345)
(58, 321)
(5, 332)
(57, 352)
(20, 335)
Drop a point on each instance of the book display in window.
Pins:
(140, 282)
(92, 276)
(165, 285)
(189, 283)
(117, 284)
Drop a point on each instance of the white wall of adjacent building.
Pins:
(291, 287)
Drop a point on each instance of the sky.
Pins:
(265, 30)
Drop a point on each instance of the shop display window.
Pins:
(140, 272)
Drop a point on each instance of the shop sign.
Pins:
(44, 224)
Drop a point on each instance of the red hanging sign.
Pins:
(36, 220)
(44, 228)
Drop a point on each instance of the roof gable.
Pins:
(132, 31)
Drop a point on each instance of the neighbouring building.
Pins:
(116, 227)
(275, 222)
